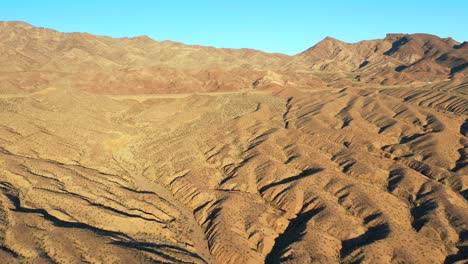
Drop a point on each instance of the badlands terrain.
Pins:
(132, 150)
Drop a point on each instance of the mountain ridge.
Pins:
(141, 65)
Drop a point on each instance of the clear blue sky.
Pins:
(274, 26)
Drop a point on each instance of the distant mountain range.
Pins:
(32, 58)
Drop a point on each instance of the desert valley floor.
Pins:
(332, 172)
(325, 175)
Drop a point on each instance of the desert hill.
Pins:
(396, 59)
(40, 57)
(137, 151)
(33, 58)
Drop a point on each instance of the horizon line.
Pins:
(220, 47)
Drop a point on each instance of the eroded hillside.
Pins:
(33, 58)
(327, 175)
(296, 161)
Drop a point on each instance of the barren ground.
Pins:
(329, 175)
(137, 151)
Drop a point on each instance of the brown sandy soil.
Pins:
(319, 169)
(332, 175)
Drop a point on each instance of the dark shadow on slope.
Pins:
(443, 57)
(138, 191)
(286, 113)
(235, 169)
(363, 64)
(368, 219)
(464, 194)
(346, 122)
(61, 223)
(460, 163)
(401, 68)
(394, 179)
(396, 46)
(419, 214)
(387, 126)
(407, 139)
(458, 68)
(464, 128)
(293, 233)
(462, 253)
(348, 166)
(372, 235)
(9, 252)
(304, 174)
(460, 45)
(157, 250)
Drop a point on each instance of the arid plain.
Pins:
(132, 150)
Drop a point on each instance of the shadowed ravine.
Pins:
(292, 234)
